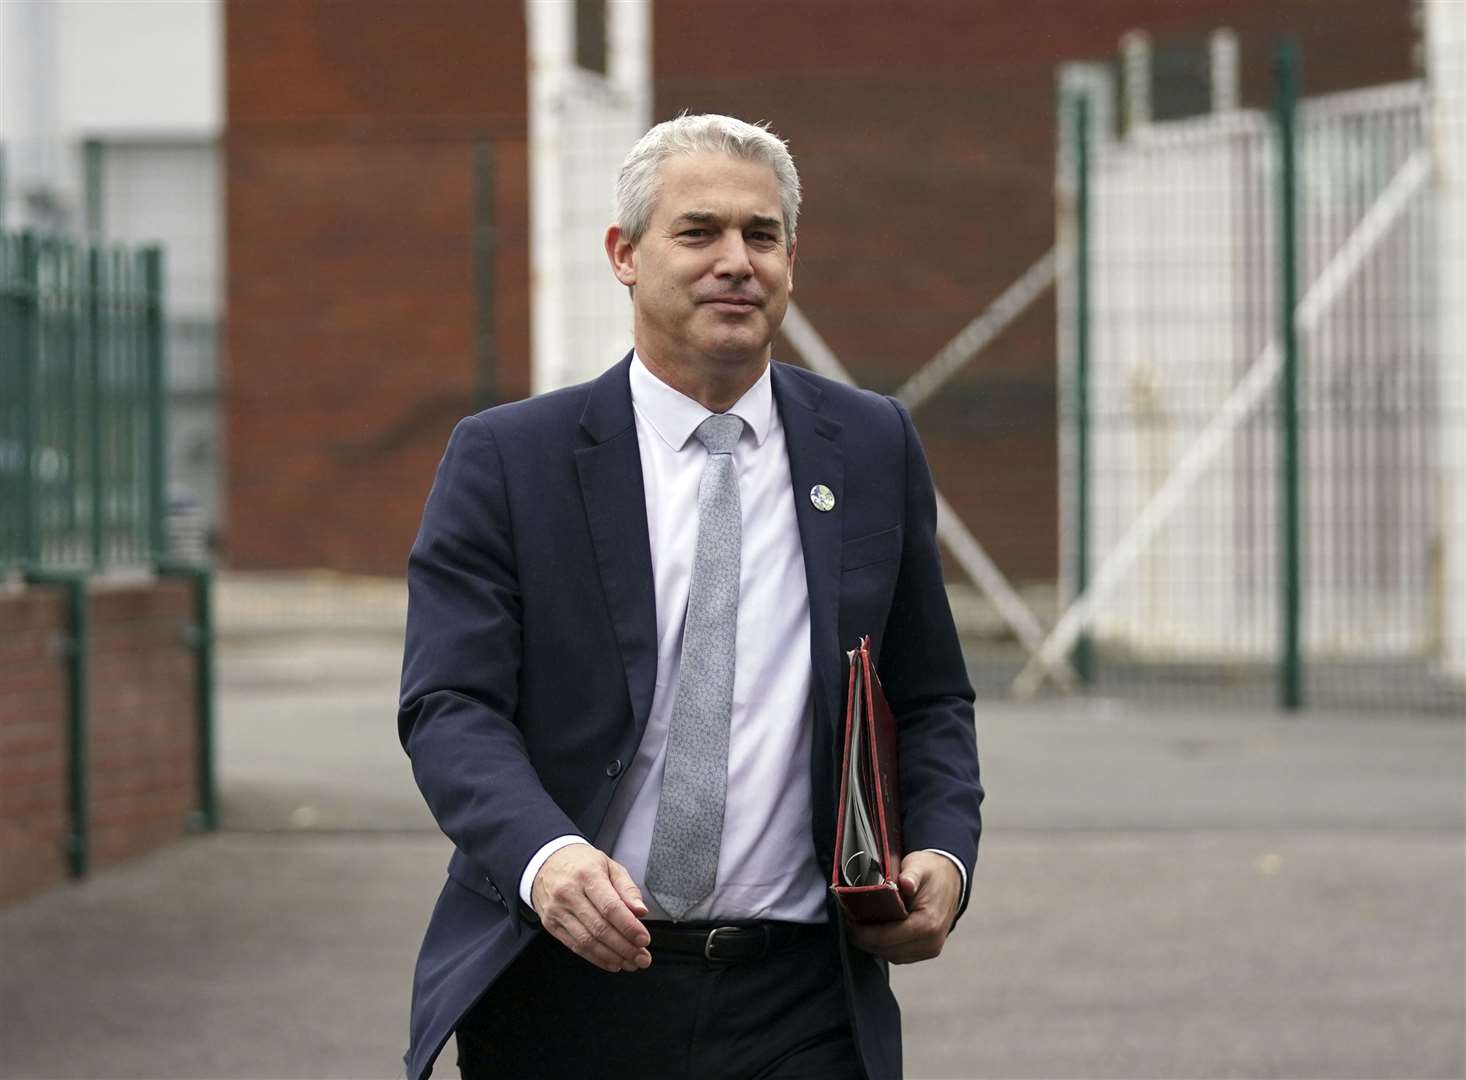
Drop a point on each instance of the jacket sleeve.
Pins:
(460, 669)
(925, 678)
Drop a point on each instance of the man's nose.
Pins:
(733, 260)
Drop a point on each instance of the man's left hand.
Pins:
(932, 888)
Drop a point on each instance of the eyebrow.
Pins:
(708, 217)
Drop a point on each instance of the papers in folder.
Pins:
(860, 860)
(868, 814)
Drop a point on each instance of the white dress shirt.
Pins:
(767, 867)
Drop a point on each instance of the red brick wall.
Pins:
(142, 745)
(144, 719)
(33, 711)
(924, 134)
(351, 204)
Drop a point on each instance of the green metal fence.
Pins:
(82, 421)
(83, 462)
(1256, 394)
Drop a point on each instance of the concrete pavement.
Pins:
(1162, 893)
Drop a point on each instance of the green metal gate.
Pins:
(83, 459)
(82, 426)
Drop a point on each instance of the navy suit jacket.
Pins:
(531, 656)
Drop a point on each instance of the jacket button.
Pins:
(614, 769)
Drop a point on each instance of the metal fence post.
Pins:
(201, 641)
(204, 693)
(28, 299)
(79, 845)
(1083, 655)
(78, 655)
(93, 169)
(68, 267)
(94, 372)
(156, 389)
(1290, 673)
(485, 248)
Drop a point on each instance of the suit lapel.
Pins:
(816, 457)
(615, 508)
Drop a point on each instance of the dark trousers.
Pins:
(551, 1014)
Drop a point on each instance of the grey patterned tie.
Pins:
(683, 863)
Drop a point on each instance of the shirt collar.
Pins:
(674, 416)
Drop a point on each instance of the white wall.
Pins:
(109, 69)
(149, 67)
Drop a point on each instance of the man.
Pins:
(630, 606)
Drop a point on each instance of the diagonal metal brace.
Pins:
(959, 540)
(979, 333)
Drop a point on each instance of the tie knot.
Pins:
(719, 432)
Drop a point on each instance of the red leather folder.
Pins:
(868, 816)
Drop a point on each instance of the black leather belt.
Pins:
(732, 942)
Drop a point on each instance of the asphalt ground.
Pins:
(1176, 891)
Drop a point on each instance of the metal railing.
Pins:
(83, 464)
(82, 413)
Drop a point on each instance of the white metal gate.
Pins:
(1184, 265)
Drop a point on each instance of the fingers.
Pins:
(579, 904)
(910, 884)
(931, 887)
(584, 942)
(630, 894)
(919, 936)
(592, 942)
(612, 919)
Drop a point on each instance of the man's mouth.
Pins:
(738, 301)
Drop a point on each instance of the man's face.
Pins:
(712, 273)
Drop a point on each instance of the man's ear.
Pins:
(622, 254)
(790, 271)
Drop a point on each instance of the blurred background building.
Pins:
(386, 166)
(1056, 229)
(382, 176)
(110, 124)
(414, 211)
(377, 216)
(417, 194)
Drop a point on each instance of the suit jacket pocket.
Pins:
(871, 548)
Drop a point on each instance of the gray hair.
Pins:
(637, 184)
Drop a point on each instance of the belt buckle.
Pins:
(708, 945)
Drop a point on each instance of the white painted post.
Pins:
(550, 29)
(1445, 42)
(1224, 56)
(30, 116)
(1135, 70)
(581, 124)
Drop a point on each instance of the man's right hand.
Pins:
(591, 905)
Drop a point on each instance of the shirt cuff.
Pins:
(532, 868)
(960, 869)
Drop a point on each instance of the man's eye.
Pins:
(695, 233)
